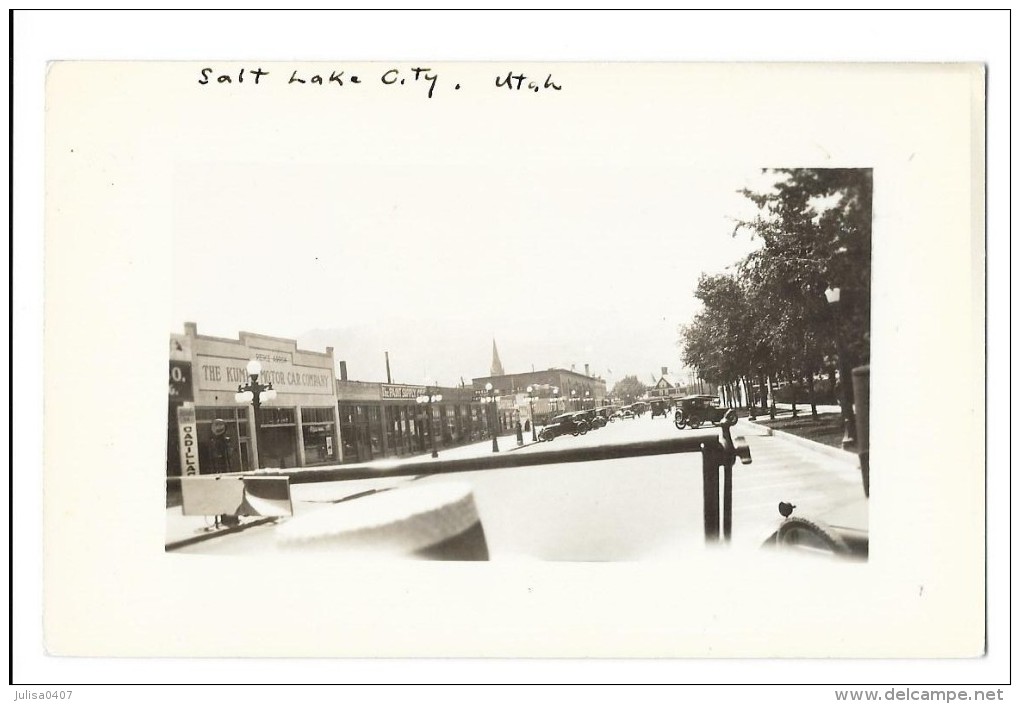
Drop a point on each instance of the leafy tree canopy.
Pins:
(629, 389)
(769, 313)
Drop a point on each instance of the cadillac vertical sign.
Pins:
(188, 429)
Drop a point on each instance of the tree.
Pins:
(769, 316)
(719, 343)
(815, 227)
(629, 389)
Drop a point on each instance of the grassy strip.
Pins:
(827, 429)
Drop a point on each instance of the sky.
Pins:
(369, 263)
(569, 231)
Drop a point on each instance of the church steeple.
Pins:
(497, 366)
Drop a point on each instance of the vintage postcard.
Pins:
(514, 359)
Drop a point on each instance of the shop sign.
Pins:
(188, 429)
(222, 374)
(399, 391)
(180, 381)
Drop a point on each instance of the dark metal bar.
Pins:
(710, 491)
(716, 454)
(727, 500)
(687, 443)
(862, 401)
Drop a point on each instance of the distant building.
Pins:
(555, 391)
(667, 386)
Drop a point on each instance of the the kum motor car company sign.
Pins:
(220, 374)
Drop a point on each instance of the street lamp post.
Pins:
(846, 400)
(531, 409)
(427, 399)
(255, 393)
(493, 400)
(573, 399)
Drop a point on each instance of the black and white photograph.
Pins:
(379, 419)
(514, 359)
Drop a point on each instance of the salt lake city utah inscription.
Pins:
(424, 78)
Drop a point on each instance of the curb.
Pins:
(834, 452)
(523, 445)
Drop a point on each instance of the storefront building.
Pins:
(210, 433)
(385, 420)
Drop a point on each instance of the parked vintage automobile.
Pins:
(660, 408)
(564, 424)
(622, 413)
(594, 418)
(694, 410)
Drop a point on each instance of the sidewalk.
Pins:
(833, 452)
(822, 482)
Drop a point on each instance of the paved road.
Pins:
(636, 509)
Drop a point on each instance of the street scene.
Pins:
(645, 508)
(753, 434)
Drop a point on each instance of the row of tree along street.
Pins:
(768, 320)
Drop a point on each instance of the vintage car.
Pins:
(564, 424)
(694, 410)
(841, 532)
(624, 412)
(610, 413)
(660, 408)
(595, 418)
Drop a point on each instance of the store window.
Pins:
(223, 440)
(450, 434)
(355, 433)
(392, 429)
(277, 438)
(318, 433)
(476, 423)
(375, 429)
(464, 423)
